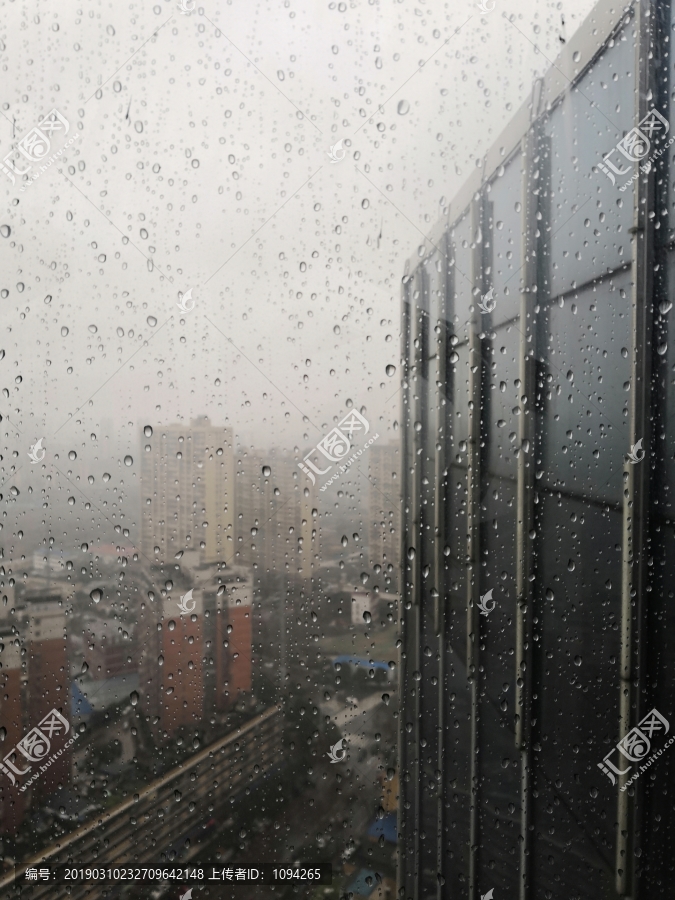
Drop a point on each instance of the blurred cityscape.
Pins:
(251, 604)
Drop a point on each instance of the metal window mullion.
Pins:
(415, 541)
(440, 539)
(473, 542)
(636, 477)
(405, 672)
(525, 497)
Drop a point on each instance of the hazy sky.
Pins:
(201, 140)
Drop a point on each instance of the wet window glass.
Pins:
(336, 450)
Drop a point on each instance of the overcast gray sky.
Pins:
(201, 140)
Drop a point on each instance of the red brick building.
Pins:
(12, 801)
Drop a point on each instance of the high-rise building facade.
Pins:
(537, 685)
(384, 511)
(187, 491)
(276, 514)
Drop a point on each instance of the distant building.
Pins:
(196, 661)
(275, 525)
(48, 685)
(187, 491)
(12, 801)
(361, 603)
(106, 652)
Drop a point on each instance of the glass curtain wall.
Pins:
(540, 607)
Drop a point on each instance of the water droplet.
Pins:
(254, 531)
(571, 566)
(110, 30)
(128, 460)
(85, 668)
(336, 329)
(266, 471)
(147, 431)
(71, 501)
(344, 540)
(577, 660)
(665, 306)
(84, 547)
(390, 370)
(133, 696)
(72, 455)
(5, 231)
(106, 476)
(152, 321)
(403, 107)
(411, 553)
(177, 796)
(93, 329)
(280, 75)
(367, 618)
(138, 126)
(3, 733)
(96, 595)
(365, 203)
(64, 331)
(172, 625)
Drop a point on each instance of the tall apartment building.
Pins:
(187, 491)
(384, 512)
(276, 526)
(537, 682)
